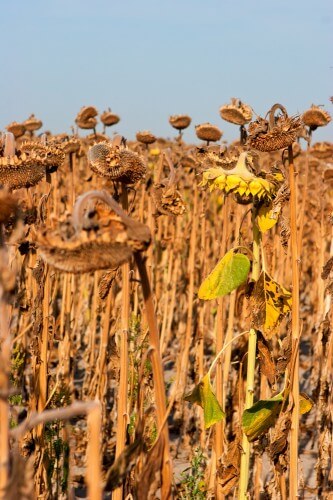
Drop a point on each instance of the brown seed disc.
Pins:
(208, 132)
(280, 136)
(322, 150)
(32, 123)
(116, 163)
(316, 117)
(237, 112)
(18, 172)
(86, 257)
(146, 137)
(17, 129)
(180, 122)
(109, 119)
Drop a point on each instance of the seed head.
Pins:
(180, 122)
(18, 129)
(145, 137)
(208, 132)
(108, 118)
(275, 133)
(85, 118)
(316, 117)
(236, 112)
(116, 162)
(32, 123)
(103, 242)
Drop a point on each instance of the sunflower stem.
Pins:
(295, 327)
(251, 362)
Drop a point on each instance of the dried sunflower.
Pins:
(115, 161)
(102, 241)
(32, 123)
(145, 137)
(21, 168)
(208, 132)
(276, 132)
(236, 112)
(18, 129)
(316, 117)
(86, 117)
(180, 122)
(108, 118)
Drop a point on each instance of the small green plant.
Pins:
(193, 484)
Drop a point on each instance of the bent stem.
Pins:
(160, 399)
(251, 362)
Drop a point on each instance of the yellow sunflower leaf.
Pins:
(203, 395)
(265, 220)
(305, 403)
(227, 275)
(270, 303)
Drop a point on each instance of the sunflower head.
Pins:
(240, 181)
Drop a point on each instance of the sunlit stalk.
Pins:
(250, 375)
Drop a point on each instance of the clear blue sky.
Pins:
(148, 59)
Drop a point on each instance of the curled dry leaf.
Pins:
(279, 442)
(266, 363)
(148, 480)
(123, 464)
(105, 283)
(228, 471)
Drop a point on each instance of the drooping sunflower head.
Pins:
(240, 181)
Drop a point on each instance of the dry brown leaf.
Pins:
(148, 480)
(228, 472)
(266, 363)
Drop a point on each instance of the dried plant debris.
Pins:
(105, 283)
(228, 471)
(266, 363)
